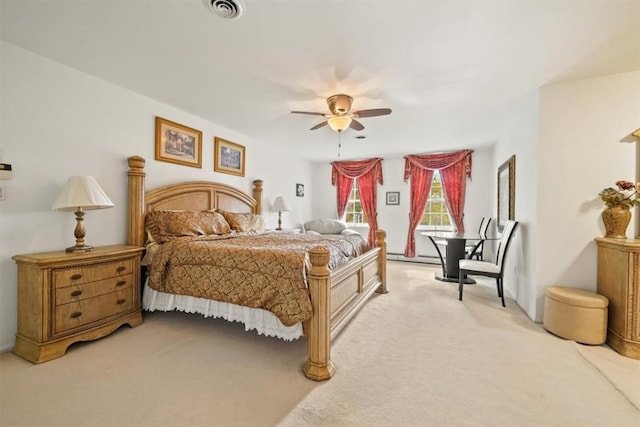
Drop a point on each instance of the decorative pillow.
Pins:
(166, 225)
(325, 226)
(244, 221)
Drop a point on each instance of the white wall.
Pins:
(520, 139)
(565, 138)
(579, 154)
(395, 219)
(57, 122)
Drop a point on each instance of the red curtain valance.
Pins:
(357, 168)
(437, 161)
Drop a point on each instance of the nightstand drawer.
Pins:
(76, 314)
(90, 290)
(91, 273)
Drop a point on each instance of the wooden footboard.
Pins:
(336, 297)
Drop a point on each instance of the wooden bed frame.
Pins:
(335, 295)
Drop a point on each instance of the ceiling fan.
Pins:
(341, 116)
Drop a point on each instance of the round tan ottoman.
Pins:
(576, 314)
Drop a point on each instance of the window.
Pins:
(353, 214)
(436, 214)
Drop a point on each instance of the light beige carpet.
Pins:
(414, 357)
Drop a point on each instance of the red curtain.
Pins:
(343, 184)
(454, 185)
(420, 187)
(368, 173)
(454, 167)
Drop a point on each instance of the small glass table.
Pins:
(456, 250)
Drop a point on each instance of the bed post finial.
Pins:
(257, 194)
(135, 201)
(319, 366)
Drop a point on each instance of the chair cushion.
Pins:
(486, 267)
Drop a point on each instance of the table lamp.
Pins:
(81, 193)
(280, 205)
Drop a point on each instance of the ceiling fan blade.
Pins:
(373, 112)
(308, 112)
(319, 125)
(356, 125)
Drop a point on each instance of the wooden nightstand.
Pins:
(68, 297)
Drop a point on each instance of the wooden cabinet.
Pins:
(68, 297)
(619, 281)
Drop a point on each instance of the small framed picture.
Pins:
(393, 197)
(179, 144)
(300, 190)
(229, 157)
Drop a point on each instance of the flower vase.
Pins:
(616, 220)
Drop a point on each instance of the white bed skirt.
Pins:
(263, 321)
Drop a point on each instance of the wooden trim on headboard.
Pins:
(200, 195)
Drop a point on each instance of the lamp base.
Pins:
(79, 248)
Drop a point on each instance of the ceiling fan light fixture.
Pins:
(339, 123)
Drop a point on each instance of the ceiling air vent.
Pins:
(228, 9)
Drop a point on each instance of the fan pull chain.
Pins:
(339, 142)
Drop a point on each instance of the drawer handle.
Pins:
(76, 293)
(121, 269)
(121, 283)
(76, 314)
(121, 301)
(76, 276)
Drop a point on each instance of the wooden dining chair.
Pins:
(486, 268)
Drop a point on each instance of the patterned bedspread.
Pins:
(265, 271)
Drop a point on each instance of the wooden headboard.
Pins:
(191, 195)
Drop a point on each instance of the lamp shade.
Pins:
(280, 205)
(339, 123)
(632, 137)
(81, 192)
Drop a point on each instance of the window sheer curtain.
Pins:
(454, 168)
(368, 173)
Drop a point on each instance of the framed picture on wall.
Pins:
(179, 144)
(506, 192)
(299, 190)
(229, 157)
(393, 197)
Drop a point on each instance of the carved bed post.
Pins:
(135, 234)
(319, 366)
(382, 261)
(257, 194)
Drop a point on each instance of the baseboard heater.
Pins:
(425, 259)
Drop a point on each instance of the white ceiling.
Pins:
(448, 69)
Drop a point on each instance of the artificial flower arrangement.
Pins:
(626, 195)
